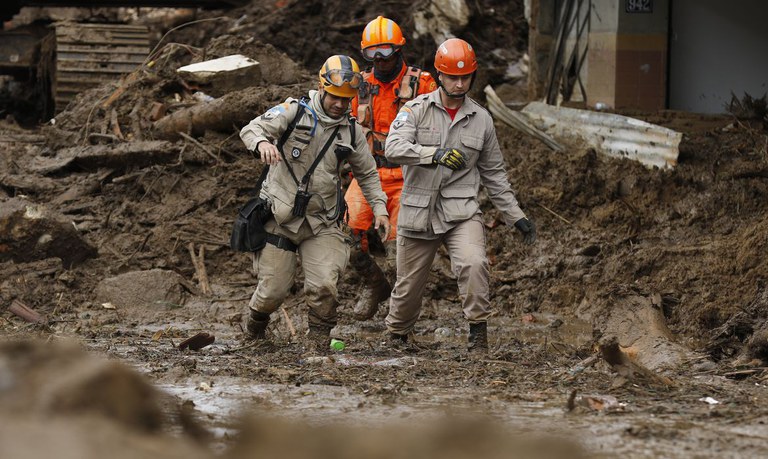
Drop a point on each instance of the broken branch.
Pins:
(626, 367)
(516, 120)
(115, 124)
(26, 313)
(554, 213)
(290, 322)
(198, 261)
(200, 145)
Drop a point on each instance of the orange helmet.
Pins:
(382, 31)
(340, 76)
(455, 57)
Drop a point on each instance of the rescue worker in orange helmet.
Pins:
(387, 86)
(448, 147)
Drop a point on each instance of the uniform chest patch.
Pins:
(295, 153)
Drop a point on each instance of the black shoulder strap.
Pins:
(305, 179)
(286, 134)
(291, 126)
(352, 122)
(257, 189)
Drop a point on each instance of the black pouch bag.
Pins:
(248, 234)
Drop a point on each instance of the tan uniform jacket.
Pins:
(300, 150)
(435, 198)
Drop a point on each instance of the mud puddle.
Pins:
(626, 430)
(220, 402)
(524, 384)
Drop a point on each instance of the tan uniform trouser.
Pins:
(323, 258)
(466, 247)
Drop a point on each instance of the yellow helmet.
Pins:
(340, 76)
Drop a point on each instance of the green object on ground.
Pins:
(337, 345)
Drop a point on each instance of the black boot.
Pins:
(478, 338)
(396, 339)
(376, 288)
(257, 325)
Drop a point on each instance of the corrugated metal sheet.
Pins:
(609, 134)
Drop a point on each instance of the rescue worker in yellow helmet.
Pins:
(447, 145)
(387, 86)
(304, 143)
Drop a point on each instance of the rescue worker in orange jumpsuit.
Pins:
(387, 86)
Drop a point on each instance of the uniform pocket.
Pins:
(428, 138)
(414, 212)
(295, 149)
(471, 142)
(458, 204)
(281, 208)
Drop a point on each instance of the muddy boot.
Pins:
(478, 338)
(401, 343)
(257, 325)
(391, 265)
(397, 340)
(376, 288)
(318, 340)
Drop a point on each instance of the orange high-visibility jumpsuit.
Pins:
(375, 112)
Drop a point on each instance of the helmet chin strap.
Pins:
(322, 106)
(322, 102)
(454, 95)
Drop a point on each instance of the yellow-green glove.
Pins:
(451, 158)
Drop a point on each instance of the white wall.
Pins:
(716, 47)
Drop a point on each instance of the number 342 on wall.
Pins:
(639, 6)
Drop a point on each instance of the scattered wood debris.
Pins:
(197, 342)
(27, 313)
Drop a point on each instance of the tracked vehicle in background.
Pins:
(44, 65)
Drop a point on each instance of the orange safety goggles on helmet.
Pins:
(339, 77)
(381, 51)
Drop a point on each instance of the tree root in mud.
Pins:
(234, 109)
(627, 368)
(636, 341)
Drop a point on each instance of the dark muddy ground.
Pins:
(623, 251)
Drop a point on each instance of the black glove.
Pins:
(526, 227)
(451, 158)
